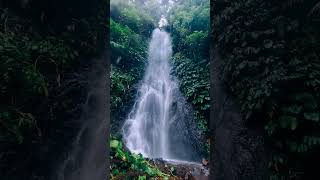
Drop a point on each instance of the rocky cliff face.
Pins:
(237, 151)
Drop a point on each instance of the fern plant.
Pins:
(271, 64)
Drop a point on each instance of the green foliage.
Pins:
(190, 21)
(123, 35)
(133, 17)
(131, 25)
(189, 27)
(37, 50)
(271, 64)
(28, 62)
(189, 16)
(130, 29)
(137, 20)
(197, 44)
(120, 84)
(123, 163)
(14, 125)
(126, 45)
(194, 84)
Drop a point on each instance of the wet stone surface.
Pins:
(183, 169)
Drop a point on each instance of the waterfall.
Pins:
(160, 124)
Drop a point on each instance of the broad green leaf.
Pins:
(114, 143)
(142, 178)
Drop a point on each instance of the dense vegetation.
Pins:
(270, 52)
(131, 25)
(189, 27)
(37, 53)
(127, 165)
(130, 30)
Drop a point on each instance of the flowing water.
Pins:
(160, 124)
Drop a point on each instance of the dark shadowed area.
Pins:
(54, 92)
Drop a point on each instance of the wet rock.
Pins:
(183, 170)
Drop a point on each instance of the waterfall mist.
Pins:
(160, 124)
(87, 156)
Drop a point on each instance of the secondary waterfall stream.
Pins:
(160, 124)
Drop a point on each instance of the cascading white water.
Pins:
(149, 121)
(157, 126)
